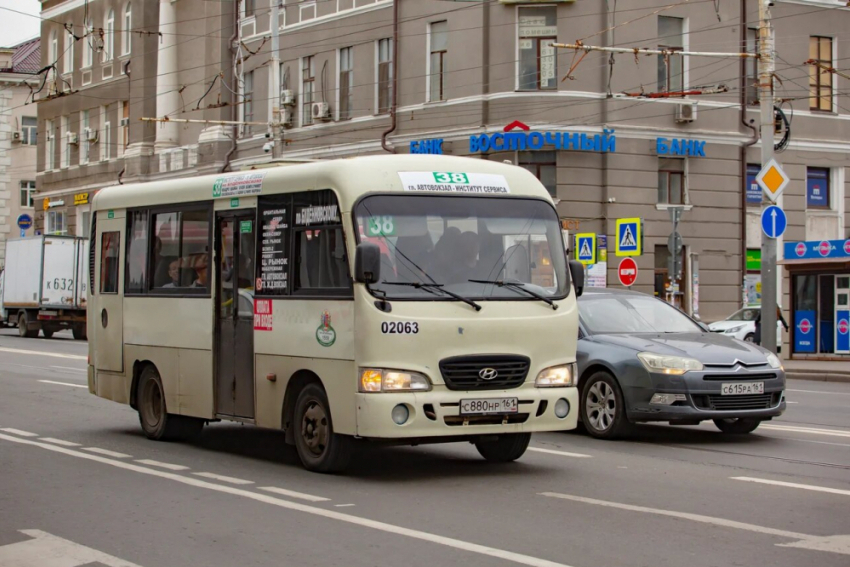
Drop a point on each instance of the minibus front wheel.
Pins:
(505, 449)
(319, 448)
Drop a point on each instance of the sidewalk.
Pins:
(819, 370)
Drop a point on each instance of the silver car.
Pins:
(641, 359)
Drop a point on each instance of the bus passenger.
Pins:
(200, 267)
(174, 274)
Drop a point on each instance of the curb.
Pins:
(818, 377)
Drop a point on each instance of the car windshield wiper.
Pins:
(432, 287)
(518, 286)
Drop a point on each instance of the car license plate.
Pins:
(488, 406)
(742, 388)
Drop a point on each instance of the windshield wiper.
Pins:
(431, 287)
(517, 286)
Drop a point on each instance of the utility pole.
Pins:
(274, 77)
(768, 245)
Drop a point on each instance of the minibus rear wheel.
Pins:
(319, 448)
(506, 448)
(156, 422)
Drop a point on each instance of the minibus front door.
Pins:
(234, 375)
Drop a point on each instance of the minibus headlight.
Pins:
(385, 380)
(663, 364)
(557, 376)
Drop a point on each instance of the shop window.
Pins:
(671, 72)
(538, 30)
(543, 166)
(671, 182)
(439, 46)
(109, 242)
(135, 278)
(670, 289)
(820, 79)
(805, 313)
(817, 188)
(55, 222)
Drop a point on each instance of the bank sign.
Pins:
(517, 136)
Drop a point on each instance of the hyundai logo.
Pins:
(488, 373)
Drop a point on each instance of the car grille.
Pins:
(461, 372)
(739, 377)
(731, 403)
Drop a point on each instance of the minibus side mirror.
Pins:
(577, 274)
(367, 263)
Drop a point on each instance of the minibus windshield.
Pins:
(451, 241)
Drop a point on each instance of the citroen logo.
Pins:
(488, 373)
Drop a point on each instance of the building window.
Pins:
(820, 80)
(105, 142)
(538, 30)
(109, 253)
(68, 56)
(307, 11)
(125, 126)
(346, 70)
(543, 166)
(308, 80)
(89, 40)
(247, 102)
(50, 158)
(53, 54)
(64, 145)
(127, 31)
(55, 222)
(817, 188)
(108, 36)
(752, 64)
(671, 72)
(671, 182)
(27, 190)
(438, 47)
(85, 146)
(29, 130)
(250, 7)
(385, 75)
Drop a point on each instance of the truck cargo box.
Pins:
(46, 272)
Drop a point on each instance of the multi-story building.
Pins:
(18, 140)
(611, 136)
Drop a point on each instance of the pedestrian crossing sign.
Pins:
(629, 237)
(586, 248)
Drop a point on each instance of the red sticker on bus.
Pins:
(262, 314)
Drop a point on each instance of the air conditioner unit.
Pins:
(17, 136)
(287, 117)
(124, 122)
(287, 98)
(73, 139)
(90, 134)
(686, 112)
(321, 111)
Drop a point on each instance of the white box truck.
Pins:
(45, 284)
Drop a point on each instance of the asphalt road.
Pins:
(78, 480)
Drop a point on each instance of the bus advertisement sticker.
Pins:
(263, 315)
(325, 334)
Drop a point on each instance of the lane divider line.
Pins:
(40, 353)
(453, 543)
(58, 442)
(820, 392)
(107, 452)
(793, 485)
(64, 384)
(293, 494)
(70, 368)
(561, 453)
(223, 478)
(809, 430)
(169, 466)
(19, 432)
(343, 505)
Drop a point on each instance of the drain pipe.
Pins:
(743, 160)
(394, 104)
(233, 115)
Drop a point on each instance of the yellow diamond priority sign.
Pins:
(772, 180)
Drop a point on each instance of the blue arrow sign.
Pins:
(773, 221)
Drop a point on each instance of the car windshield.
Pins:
(446, 241)
(612, 314)
(743, 315)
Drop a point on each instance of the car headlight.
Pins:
(734, 329)
(664, 364)
(774, 361)
(557, 376)
(384, 380)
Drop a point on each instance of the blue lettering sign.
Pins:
(693, 148)
(520, 141)
(804, 331)
(434, 146)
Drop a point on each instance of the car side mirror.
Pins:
(367, 263)
(577, 274)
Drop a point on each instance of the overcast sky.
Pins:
(15, 27)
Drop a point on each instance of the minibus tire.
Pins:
(156, 422)
(505, 449)
(319, 448)
(80, 333)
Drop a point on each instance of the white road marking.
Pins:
(64, 384)
(107, 452)
(83, 370)
(293, 494)
(820, 392)
(343, 505)
(223, 478)
(809, 430)
(787, 402)
(19, 432)
(305, 508)
(833, 544)
(160, 464)
(793, 485)
(40, 353)
(59, 442)
(46, 550)
(561, 453)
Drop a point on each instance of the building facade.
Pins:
(18, 140)
(611, 137)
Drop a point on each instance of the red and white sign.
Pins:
(847, 246)
(843, 326)
(263, 315)
(824, 248)
(800, 249)
(805, 326)
(627, 272)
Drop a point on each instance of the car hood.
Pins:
(723, 325)
(708, 348)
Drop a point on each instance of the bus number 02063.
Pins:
(399, 328)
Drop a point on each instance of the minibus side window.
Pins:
(180, 251)
(319, 261)
(109, 243)
(135, 278)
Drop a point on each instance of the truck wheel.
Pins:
(319, 448)
(156, 422)
(505, 449)
(48, 333)
(23, 329)
(80, 333)
(740, 426)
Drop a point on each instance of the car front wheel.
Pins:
(603, 407)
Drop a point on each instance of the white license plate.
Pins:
(742, 388)
(489, 406)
